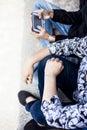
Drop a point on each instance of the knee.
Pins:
(43, 62)
(35, 110)
(37, 4)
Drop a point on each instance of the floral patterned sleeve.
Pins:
(70, 116)
(80, 95)
(77, 46)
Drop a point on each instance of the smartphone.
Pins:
(36, 21)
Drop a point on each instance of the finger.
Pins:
(30, 30)
(38, 12)
(30, 78)
(40, 28)
(34, 33)
(62, 67)
(26, 80)
(60, 62)
(48, 60)
(30, 15)
(41, 13)
(57, 59)
(52, 59)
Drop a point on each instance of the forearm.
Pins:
(68, 117)
(28, 68)
(49, 87)
(53, 68)
(66, 17)
(39, 55)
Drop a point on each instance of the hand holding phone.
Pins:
(38, 28)
(36, 21)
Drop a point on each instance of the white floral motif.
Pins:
(71, 116)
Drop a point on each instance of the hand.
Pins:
(43, 34)
(53, 67)
(45, 14)
(28, 72)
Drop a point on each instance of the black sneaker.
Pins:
(22, 95)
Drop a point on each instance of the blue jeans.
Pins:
(35, 107)
(49, 24)
(62, 28)
(66, 81)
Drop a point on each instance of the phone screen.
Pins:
(37, 21)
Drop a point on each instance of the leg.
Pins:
(82, 3)
(33, 105)
(35, 109)
(66, 81)
(63, 29)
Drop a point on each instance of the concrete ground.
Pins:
(15, 45)
(11, 41)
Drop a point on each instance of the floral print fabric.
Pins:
(70, 116)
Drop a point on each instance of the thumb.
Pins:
(40, 28)
(30, 79)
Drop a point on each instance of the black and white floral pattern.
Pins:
(70, 116)
(77, 46)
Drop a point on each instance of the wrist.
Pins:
(51, 13)
(31, 61)
(50, 75)
(51, 38)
